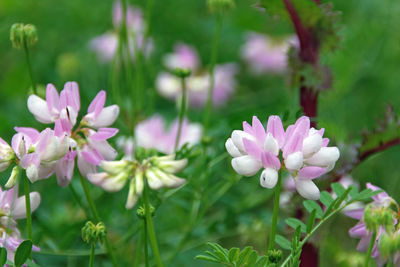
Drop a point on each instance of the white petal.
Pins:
(307, 189)
(38, 107)
(269, 178)
(19, 210)
(271, 145)
(237, 138)
(132, 196)
(246, 165)
(294, 161)
(32, 173)
(106, 117)
(312, 144)
(153, 180)
(113, 167)
(173, 166)
(325, 157)
(232, 149)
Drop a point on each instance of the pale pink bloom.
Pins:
(6, 155)
(198, 83)
(360, 230)
(265, 55)
(106, 45)
(11, 243)
(127, 145)
(63, 107)
(99, 116)
(153, 133)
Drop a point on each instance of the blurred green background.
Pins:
(366, 77)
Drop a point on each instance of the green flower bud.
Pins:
(94, 233)
(141, 212)
(389, 244)
(182, 73)
(12, 181)
(30, 33)
(220, 6)
(17, 35)
(376, 217)
(274, 256)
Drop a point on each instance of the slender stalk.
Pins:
(91, 259)
(97, 218)
(28, 209)
(150, 227)
(275, 213)
(181, 113)
(28, 62)
(139, 249)
(146, 249)
(371, 246)
(214, 55)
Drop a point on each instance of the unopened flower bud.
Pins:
(17, 35)
(12, 181)
(274, 256)
(389, 244)
(31, 36)
(182, 73)
(220, 6)
(375, 217)
(141, 212)
(94, 233)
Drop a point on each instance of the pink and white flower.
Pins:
(185, 56)
(266, 55)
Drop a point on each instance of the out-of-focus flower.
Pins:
(266, 55)
(198, 83)
(305, 153)
(369, 222)
(158, 171)
(12, 208)
(106, 45)
(6, 155)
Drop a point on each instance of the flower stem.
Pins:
(91, 259)
(97, 218)
(139, 249)
(150, 227)
(28, 209)
(275, 213)
(181, 113)
(371, 246)
(146, 251)
(214, 55)
(28, 62)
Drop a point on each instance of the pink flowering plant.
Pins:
(258, 162)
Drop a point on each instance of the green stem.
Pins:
(28, 62)
(371, 246)
(28, 209)
(150, 227)
(146, 250)
(91, 259)
(214, 55)
(139, 249)
(275, 213)
(181, 113)
(97, 218)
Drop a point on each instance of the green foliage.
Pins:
(3, 256)
(23, 252)
(248, 257)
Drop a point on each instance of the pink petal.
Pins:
(325, 142)
(52, 98)
(355, 214)
(259, 131)
(72, 95)
(92, 156)
(97, 104)
(65, 169)
(247, 128)
(252, 148)
(268, 159)
(104, 133)
(295, 144)
(32, 133)
(275, 127)
(44, 139)
(28, 159)
(310, 172)
(359, 230)
(379, 197)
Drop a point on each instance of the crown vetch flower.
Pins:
(185, 56)
(305, 153)
(158, 171)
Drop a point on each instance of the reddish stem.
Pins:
(379, 148)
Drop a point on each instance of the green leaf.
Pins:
(282, 242)
(342, 198)
(233, 255)
(294, 223)
(326, 198)
(311, 205)
(243, 256)
(206, 258)
(3, 256)
(338, 189)
(368, 193)
(23, 252)
(262, 261)
(251, 261)
(310, 221)
(30, 263)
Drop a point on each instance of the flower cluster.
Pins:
(51, 151)
(158, 172)
(265, 55)
(378, 217)
(304, 151)
(185, 56)
(13, 208)
(106, 45)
